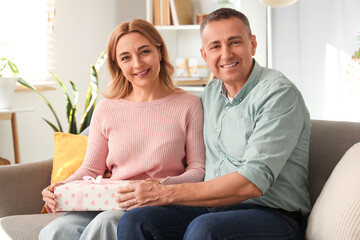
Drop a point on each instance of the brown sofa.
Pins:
(21, 185)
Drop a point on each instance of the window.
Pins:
(25, 35)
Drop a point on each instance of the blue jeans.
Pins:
(83, 225)
(241, 221)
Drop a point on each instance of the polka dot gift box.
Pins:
(88, 195)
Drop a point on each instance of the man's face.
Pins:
(228, 50)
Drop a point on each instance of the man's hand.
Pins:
(142, 193)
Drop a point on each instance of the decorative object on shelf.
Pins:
(170, 12)
(277, 3)
(71, 108)
(222, 4)
(191, 71)
(200, 18)
(161, 14)
(181, 12)
(8, 79)
(194, 68)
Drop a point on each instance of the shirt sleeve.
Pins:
(195, 149)
(278, 124)
(97, 149)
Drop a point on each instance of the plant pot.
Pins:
(7, 89)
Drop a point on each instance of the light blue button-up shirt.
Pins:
(263, 134)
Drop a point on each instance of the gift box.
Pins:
(192, 68)
(88, 195)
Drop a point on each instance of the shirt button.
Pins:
(221, 153)
(218, 130)
(216, 174)
(227, 107)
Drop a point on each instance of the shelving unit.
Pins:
(181, 41)
(184, 40)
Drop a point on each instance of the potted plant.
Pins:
(8, 79)
(71, 107)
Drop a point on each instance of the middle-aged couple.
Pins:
(247, 135)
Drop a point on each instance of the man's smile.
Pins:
(230, 65)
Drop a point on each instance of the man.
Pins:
(256, 131)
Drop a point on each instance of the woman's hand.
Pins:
(142, 193)
(49, 196)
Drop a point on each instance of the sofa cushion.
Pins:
(69, 153)
(336, 213)
(25, 226)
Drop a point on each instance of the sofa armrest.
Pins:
(21, 186)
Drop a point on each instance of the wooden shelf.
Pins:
(177, 27)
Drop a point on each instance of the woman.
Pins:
(144, 128)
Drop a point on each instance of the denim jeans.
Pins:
(83, 225)
(241, 221)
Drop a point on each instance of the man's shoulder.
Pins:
(272, 79)
(214, 86)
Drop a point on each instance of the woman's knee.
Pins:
(108, 216)
(57, 229)
(68, 226)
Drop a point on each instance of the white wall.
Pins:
(312, 45)
(81, 32)
(82, 28)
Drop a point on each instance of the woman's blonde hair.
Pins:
(119, 86)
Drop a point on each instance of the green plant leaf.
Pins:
(90, 99)
(52, 125)
(13, 67)
(75, 92)
(72, 117)
(30, 86)
(100, 61)
(71, 109)
(68, 103)
(2, 64)
(72, 122)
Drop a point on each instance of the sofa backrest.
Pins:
(329, 140)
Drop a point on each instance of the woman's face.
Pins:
(139, 60)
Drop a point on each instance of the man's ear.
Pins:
(254, 45)
(203, 54)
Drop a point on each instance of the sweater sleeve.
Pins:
(195, 149)
(94, 163)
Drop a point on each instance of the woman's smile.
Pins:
(142, 74)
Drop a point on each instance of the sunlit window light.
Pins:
(342, 83)
(24, 36)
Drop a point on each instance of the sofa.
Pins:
(21, 184)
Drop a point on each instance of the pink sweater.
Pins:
(158, 139)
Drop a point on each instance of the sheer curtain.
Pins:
(313, 42)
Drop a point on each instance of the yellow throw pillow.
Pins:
(69, 153)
